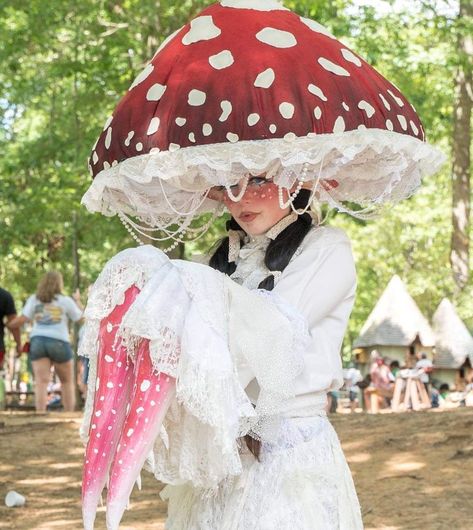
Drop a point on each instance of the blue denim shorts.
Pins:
(56, 350)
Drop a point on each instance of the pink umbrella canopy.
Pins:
(249, 87)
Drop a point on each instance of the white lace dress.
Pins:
(245, 361)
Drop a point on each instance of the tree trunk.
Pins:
(460, 247)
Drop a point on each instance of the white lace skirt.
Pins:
(301, 483)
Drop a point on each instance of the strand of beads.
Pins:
(292, 196)
(242, 190)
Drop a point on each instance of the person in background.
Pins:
(50, 311)
(352, 376)
(424, 366)
(7, 313)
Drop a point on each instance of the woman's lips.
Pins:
(248, 217)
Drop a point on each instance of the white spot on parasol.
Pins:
(196, 98)
(272, 128)
(332, 67)
(180, 122)
(314, 89)
(109, 327)
(345, 106)
(129, 138)
(191, 137)
(414, 128)
(145, 385)
(369, 109)
(109, 358)
(95, 157)
(389, 125)
(158, 388)
(129, 432)
(286, 110)
(397, 99)
(139, 410)
(107, 123)
(153, 126)
(155, 93)
(98, 413)
(232, 137)
(351, 57)
(276, 37)
(315, 26)
(402, 120)
(385, 102)
(108, 138)
(257, 5)
(139, 147)
(109, 384)
(94, 426)
(265, 79)
(152, 403)
(339, 125)
(318, 113)
(221, 60)
(227, 108)
(201, 28)
(207, 129)
(253, 119)
(143, 75)
(102, 398)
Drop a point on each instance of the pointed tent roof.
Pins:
(453, 341)
(396, 320)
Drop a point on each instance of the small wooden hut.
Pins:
(453, 358)
(396, 328)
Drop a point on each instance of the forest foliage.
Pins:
(63, 67)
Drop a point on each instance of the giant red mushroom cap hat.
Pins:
(249, 87)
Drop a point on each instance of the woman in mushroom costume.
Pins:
(215, 377)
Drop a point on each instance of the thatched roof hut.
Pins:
(396, 320)
(454, 343)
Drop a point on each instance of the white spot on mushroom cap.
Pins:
(265, 79)
(317, 27)
(145, 385)
(153, 126)
(109, 327)
(129, 138)
(129, 432)
(257, 5)
(289, 137)
(98, 413)
(389, 125)
(345, 106)
(286, 110)
(318, 113)
(95, 157)
(221, 60)
(107, 124)
(414, 128)
(139, 147)
(351, 57)
(332, 67)
(174, 147)
(201, 28)
(207, 129)
(106, 165)
(369, 109)
(196, 97)
(339, 125)
(191, 137)
(276, 37)
(397, 99)
(109, 384)
(155, 93)
(314, 89)
(180, 122)
(385, 101)
(227, 108)
(272, 128)
(108, 138)
(139, 410)
(143, 75)
(403, 122)
(232, 137)
(253, 119)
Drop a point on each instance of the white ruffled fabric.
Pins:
(198, 323)
(371, 166)
(301, 483)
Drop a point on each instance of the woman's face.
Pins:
(258, 210)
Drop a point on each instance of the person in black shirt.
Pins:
(7, 313)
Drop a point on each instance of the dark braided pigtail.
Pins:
(278, 255)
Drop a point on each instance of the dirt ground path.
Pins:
(412, 472)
